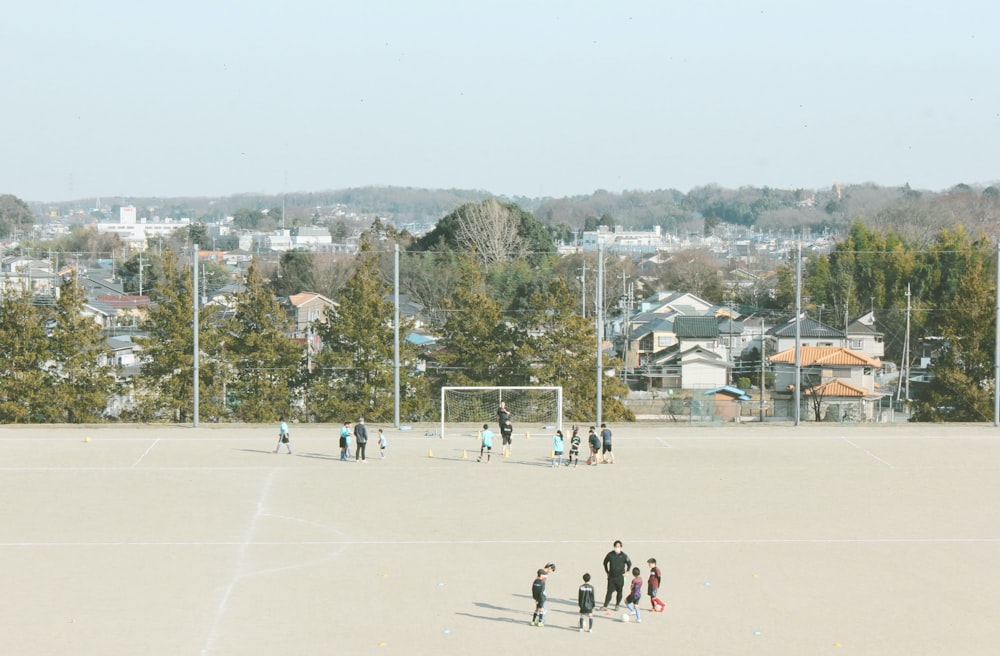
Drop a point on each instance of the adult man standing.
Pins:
(361, 435)
(503, 415)
(616, 564)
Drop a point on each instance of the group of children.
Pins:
(587, 601)
(285, 438)
(600, 447)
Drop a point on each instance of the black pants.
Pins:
(359, 454)
(615, 584)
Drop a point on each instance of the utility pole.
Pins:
(599, 312)
(798, 331)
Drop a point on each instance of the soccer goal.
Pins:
(540, 406)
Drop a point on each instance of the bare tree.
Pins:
(490, 230)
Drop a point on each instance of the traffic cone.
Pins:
(430, 454)
(464, 454)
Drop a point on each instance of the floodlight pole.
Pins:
(798, 331)
(996, 350)
(194, 297)
(395, 336)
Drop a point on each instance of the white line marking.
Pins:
(887, 464)
(244, 545)
(241, 557)
(150, 448)
(663, 442)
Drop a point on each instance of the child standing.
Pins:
(507, 435)
(345, 441)
(382, 443)
(574, 446)
(636, 594)
(538, 594)
(557, 449)
(585, 597)
(486, 439)
(653, 586)
(595, 446)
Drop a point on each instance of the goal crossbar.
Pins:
(528, 404)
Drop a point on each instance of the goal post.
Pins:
(479, 405)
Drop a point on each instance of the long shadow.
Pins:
(550, 600)
(317, 456)
(512, 620)
(255, 451)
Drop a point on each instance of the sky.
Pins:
(110, 98)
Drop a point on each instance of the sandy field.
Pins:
(773, 540)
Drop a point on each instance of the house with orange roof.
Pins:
(837, 383)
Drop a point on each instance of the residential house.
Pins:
(864, 336)
(306, 308)
(839, 382)
(811, 333)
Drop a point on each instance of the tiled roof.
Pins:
(826, 355)
(807, 328)
(836, 388)
(696, 327)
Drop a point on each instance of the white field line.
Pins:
(241, 557)
(150, 448)
(884, 462)
(244, 545)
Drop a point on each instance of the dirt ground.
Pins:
(773, 540)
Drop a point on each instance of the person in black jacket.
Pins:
(616, 564)
(361, 436)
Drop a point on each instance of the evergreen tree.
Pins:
(562, 346)
(263, 361)
(165, 383)
(352, 374)
(479, 345)
(958, 273)
(82, 379)
(24, 352)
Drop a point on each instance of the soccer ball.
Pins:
(626, 617)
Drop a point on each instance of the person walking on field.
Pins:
(361, 435)
(383, 443)
(609, 458)
(486, 440)
(616, 564)
(284, 437)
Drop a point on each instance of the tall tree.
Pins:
(562, 348)
(352, 374)
(958, 273)
(24, 351)
(479, 345)
(295, 273)
(82, 378)
(262, 360)
(166, 379)
(15, 215)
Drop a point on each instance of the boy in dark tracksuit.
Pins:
(538, 594)
(585, 597)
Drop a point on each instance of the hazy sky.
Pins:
(538, 98)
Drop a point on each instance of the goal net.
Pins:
(535, 406)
